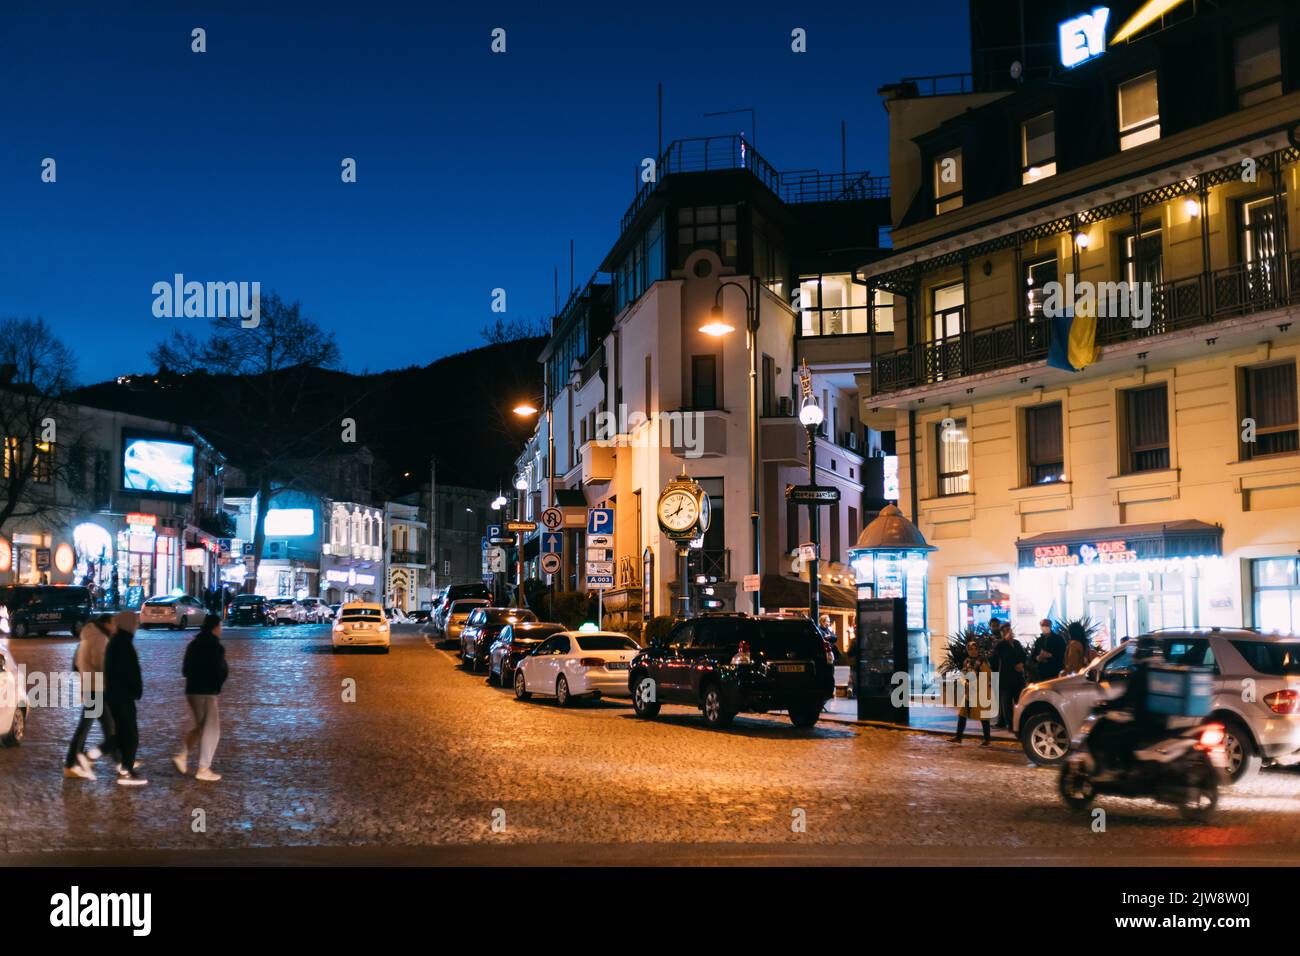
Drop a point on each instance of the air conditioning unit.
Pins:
(785, 406)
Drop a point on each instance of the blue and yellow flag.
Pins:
(1073, 344)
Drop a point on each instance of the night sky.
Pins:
(474, 169)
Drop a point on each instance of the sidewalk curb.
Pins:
(906, 728)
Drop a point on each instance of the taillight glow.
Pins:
(1283, 702)
(591, 662)
(1212, 736)
(742, 654)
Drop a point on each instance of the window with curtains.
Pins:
(1269, 400)
(1044, 445)
(1146, 413)
(952, 455)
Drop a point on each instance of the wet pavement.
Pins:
(405, 758)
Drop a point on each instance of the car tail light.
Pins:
(1283, 701)
(338, 627)
(742, 654)
(1212, 737)
(591, 662)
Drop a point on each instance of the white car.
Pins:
(172, 611)
(315, 610)
(577, 664)
(285, 610)
(360, 625)
(13, 695)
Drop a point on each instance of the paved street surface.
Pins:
(415, 770)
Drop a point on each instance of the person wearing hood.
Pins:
(124, 688)
(205, 672)
(88, 661)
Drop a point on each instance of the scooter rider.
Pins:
(1128, 721)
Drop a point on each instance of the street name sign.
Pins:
(524, 526)
(812, 494)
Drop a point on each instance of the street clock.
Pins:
(683, 509)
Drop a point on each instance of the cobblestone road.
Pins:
(427, 754)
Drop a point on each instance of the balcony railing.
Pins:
(407, 557)
(1199, 300)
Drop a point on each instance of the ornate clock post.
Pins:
(683, 513)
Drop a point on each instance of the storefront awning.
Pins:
(780, 591)
(1121, 544)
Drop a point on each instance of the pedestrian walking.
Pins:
(976, 692)
(88, 662)
(205, 673)
(1009, 656)
(124, 686)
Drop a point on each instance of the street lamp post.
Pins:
(717, 326)
(521, 484)
(810, 414)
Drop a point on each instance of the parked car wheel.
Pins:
(645, 700)
(715, 709)
(1243, 759)
(521, 686)
(805, 716)
(1045, 739)
(16, 731)
(562, 696)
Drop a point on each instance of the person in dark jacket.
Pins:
(205, 673)
(1009, 659)
(1050, 656)
(123, 687)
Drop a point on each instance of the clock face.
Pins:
(678, 511)
(706, 511)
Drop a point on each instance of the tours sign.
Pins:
(1087, 553)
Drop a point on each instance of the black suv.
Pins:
(727, 663)
(41, 608)
(248, 609)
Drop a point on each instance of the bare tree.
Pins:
(511, 330)
(42, 455)
(268, 365)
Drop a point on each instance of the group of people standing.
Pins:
(112, 685)
(1050, 656)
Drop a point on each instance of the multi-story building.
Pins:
(1159, 484)
(127, 505)
(406, 556)
(643, 382)
(352, 552)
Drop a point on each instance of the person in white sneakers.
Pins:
(205, 673)
(88, 661)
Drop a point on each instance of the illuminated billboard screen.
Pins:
(290, 522)
(157, 466)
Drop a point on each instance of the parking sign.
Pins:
(600, 521)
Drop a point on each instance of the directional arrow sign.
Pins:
(812, 494)
(552, 542)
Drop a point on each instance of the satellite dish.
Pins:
(1017, 70)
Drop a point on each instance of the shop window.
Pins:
(952, 454)
(1275, 583)
(1037, 277)
(1139, 111)
(1146, 414)
(704, 381)
(1257, 58)
(1044, 445)
(979, 599)
(947, 182)
(1038, 148)
(1269, 402)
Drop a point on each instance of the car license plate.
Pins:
(617, 665)
(791, 668)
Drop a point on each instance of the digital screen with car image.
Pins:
(157, 466)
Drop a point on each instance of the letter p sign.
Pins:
(600, 521)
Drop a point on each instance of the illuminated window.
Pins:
(952, 455)
(1139, 111)
(949, 311)
(947, 182)
(1258, 58)
(1038, 275)
(1038, 148)
(12, 457)
(42, 462)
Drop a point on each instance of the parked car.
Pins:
(41, 608)
(457, 614)
(481, 629)
(249, 609)
(449, 596)
(396, 615)
(419, 616)
(174, 611)
(315, 610)
(361, 625)
(512, 643)
(576, 664)
(13, 695)
(728, 663)
(286, 610)
(1256, 696)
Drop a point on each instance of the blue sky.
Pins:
(474, 169)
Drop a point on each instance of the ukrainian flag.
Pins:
(1073, 345)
